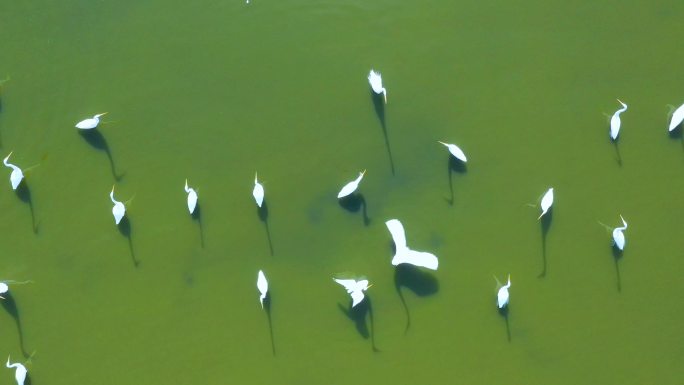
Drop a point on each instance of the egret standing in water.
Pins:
(20, 372)
(455, 151)
(119, 210)
(354, 288)
(502, 295)
(16, 176)
(405, 255)
(90, 123)
(677, 118)
(615, 121)
(350, 187)
(3, 289)
(262, 286)
(192, 197)
(258, 191)
(375, 80)
(619, 236)
(546, 202)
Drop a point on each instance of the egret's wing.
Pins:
(397, 230)
(258, 193)
(614, 125)
(357, 297)
(262, 283)
(677, 118)
(416, 258)
(192, 200)
(457, 152)
(348, 189)
(348, 284)
(547, 200)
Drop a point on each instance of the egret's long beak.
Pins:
(441, 143)
(369, 286)
(363, 172)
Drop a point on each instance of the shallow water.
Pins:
(214, 91)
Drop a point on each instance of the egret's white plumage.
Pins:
(262, 286)
(375, 80)
(192, 197)
(405, 255)
(546, 202)
(350, 187)
(354, 288)
(19, 373)
(258, 192)
(619, 236)
(455, 151)
(3, 289)
(502, 295)
(119, 210)
(16, 176)
(615, 121)
(89, 123)
(677, 118)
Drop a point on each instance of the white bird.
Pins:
(375, 80)
(192, 197)
(502, 295)
(262, 285)
(677, 118)
(354, 288)
(3, 289)
(89, 123)
(455, 151)
(619, 236)
(20, 373)
(403, 253)
(546, 202)
(351, 186)
(258, 191)
(119, 210)
(16, 176)
(615, 121)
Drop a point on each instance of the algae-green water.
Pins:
(214, 91)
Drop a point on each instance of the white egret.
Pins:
(20, 372)
(262, 285)
(119, 210)
(351, 186)
(615, 121)
(546, 202)
(354, 288)
(258, 191)
(89, 123)
(375, 80)
(405, 255)
(455, 151)
(16, 176)
(677, 118)
(619, 236)
(192, 197)
(502, 295)
(3, 289)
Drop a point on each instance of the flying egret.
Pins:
(502, 295)
(262, 285)
(405, 255)
(89, 123)
(119, 210)
(20, 373)
(615, 121)
(16, 176)
(375, 80)
(546, 202)
(351, 186)
(677, 118)
(258, 191)
(3, 289)
(192, 197)
(354, 288)
(455, 151)
(619, 236)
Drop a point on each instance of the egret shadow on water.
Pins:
(267, 309)
(10, 306)
(677, 134)
(125, 229)
(545, 223)
(503, 311)
(379, 105)
(616, 145)
(263, 216)
(617, 255)
(24, 193)
(454, 165)
(420, 282)
(98, 141)
(358, 315)
(355, 202)
(197, 216)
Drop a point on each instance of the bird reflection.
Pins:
(355, 202)
(262, 211)
(10, 306)
(98, 141)
(358, 315)
(422, 283)
(24, 193)
(379, 105)
(125, 229)
(454, 165)
(545, 223)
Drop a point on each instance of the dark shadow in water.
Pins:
(504, 313)
(617, 255)
(358, 315)
(618, 157)
(197, 216)
(263, 216)
(10, 306)
(355, 202)
(454, 165)
(95, 139)
(545, 222)
(677, 134)
(420, 282)
(24, 193)
(379, 104)
(267, 308)
(125, 230)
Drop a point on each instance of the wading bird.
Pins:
(20, 372)
(615, 121)
(546, 202)
(354, 288)
(455, 151)
(192, 197)
(502, 295)
(619, 236)
(375, 80)
(89, 123)
(119, 210)
(16, 176)
(405, 255)
(677, 118)
(262, 286)
(350, 187)
(3, 289)
(258, 191)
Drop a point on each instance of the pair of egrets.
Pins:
(675, 121)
